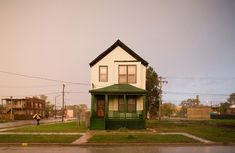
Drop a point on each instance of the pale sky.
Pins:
(190, 42)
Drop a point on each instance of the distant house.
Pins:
(23, 108)
(118, 77)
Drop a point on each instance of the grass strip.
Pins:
(56, 127)
(139, 138)
(12, 138)
(214, 130)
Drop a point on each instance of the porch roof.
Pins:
(120, 89)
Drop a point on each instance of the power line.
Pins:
(195, 93)
(51, 93)
(33, 86)
(77, 92)
(42, 78)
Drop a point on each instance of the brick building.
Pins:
(23, 108)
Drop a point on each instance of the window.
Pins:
(131, 71)
(127, 74)
(131, 104)
(121, 104)
(36, 105)
(103, 73)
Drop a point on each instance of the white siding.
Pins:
(112, 60)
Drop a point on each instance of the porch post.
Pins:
(125, 102)
(144, 107)
(92, 104)
(106, 106)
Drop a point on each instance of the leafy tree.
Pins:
(49, 108)
(167, 109)
(225, 107)
(189, 103)
(43, 97)
(153, 94)
(231, 99)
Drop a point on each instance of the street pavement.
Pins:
(120, 149)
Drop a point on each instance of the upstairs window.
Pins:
(103, 73)
(127, 74)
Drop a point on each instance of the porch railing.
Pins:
(125, 115)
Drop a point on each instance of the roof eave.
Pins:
(124, 47)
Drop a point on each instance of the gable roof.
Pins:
(119, 89)
(124, 47)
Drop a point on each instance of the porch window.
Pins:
(103, 73)
(121, 104)
(131, 104)
(127, 74)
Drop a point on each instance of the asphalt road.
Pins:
(116, 149)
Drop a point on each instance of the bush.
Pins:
(223, 116)
(130, 136)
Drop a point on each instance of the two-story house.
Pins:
(118, 77)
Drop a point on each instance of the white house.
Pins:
(118, 77)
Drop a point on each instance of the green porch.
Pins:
(116, 106)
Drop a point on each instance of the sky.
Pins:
(189, 42)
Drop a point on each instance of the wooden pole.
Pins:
(11, 108)
(63, 103)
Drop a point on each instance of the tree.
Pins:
(153, 94)
(189, 103)
(231, 99)
(225, 107)
(49, 109)
(167, 109)
(43, 97)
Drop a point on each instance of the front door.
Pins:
(100, 106)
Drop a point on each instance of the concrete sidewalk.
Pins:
(83, 139)
(187, 135)
(42, 133)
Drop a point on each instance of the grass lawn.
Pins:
(214, 130)
(139, 138)
(38, 138)
(56, 127)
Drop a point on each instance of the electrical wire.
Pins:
(31, 95)
(42, 78)
(188, 93)
(33, 86)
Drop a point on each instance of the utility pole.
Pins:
(55, 108)
(11, 108)
(63, 103)
(161, 82)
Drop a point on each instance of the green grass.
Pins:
(214, 130)
(13, 138)
(139, 138)
(57, 127)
